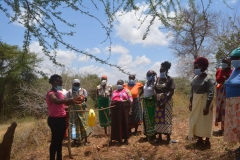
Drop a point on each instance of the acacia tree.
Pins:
(40, 16)
(193, 37)
(15, 69)
(228, 37)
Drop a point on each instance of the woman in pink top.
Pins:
(56, 111)
(122, 99)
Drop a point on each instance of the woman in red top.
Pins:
(222, 75)
(56, 110)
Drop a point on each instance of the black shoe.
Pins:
(237, 151)
(168, 139)
(200, 143)
(207, 144)
(159, 140)
(125, 142)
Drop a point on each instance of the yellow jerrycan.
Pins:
(91, 118)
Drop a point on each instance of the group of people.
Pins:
(227, 101)
(127, 113)
(58, 101)
(228, 98)
(133, 103)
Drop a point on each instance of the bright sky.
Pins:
(129, 51)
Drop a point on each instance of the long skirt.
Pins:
(136, 117)
(80, 119)
(232, 120)
(200, 125)
(220, 106)
(103, 114)
(149, 104)
(163, 118)
(119, 121)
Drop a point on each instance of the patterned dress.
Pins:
(232, 117)
(221, 76)
(103, 102)
(149, 104)
(80, 118)
(163, 114)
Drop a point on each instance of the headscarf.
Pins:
(150, 77)
(104, 77)
(74, 88)
(235, 52)
(75, 81)
(201, 61)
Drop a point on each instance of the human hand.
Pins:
(190, 107)
(113, 103)
(78, 99)
(205, 111)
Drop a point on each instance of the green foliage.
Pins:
(183, 85)
(227, 44)
(16, 68)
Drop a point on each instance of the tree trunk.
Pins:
(6, 145)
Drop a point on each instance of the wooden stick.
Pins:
(108, 126)
(69, 140)
(93, 109)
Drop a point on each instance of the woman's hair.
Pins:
(166, 65)
(201, 61)
(226, 60)
(54, 78)
(131, 76)
(120, 81)
(150, 73)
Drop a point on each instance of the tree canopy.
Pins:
(16, 68)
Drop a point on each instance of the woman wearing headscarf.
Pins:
(79, 118)
(232, 116)
(164, 90)
(136, 89)
(104, 93)
(222, 74)
(122, 101)
(149, 104)
(56, 110)
(201, 96)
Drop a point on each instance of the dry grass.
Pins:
(32, 139)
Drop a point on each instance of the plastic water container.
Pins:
(73, 131)
(91, 118)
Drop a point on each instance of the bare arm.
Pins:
(54, 99)
(141, 93)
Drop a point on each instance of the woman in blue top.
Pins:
(232, 115)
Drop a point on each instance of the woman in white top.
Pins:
(149, 104)
(79, 118)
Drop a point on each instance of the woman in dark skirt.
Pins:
(136, 89)
(122, 99)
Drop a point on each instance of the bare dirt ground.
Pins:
(37, 144)
(32, 140)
